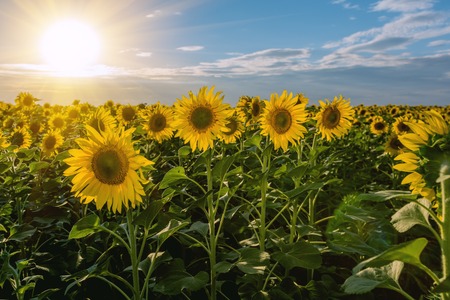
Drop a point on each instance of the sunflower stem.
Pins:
(445, 228)
(133, 252)
(212, 229)
(262, 218)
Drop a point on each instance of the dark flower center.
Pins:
(202, 118)
(110, 166)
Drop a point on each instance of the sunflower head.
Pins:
(158, 121)
(393, 145)
(334, 118)
(107, 169)
(51, 141)
(378, 125)
(57, 121)
(400, 125)
(126, 114)
(101, 120)
(234, 128)
(25, 100)
(282, 120)
(20, 138)
(200, 118)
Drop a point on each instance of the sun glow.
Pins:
(70, 47)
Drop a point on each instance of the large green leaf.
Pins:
(407, 252)
(38, 165)
(147, 216)
(20, 233)
(300, 254)
(414, 213)
(85, 226)
(169, 230)
(366, 280)
(173, 176)
(252, 261)
(178, 280)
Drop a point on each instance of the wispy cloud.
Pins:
(144, 54)
(345, 4)
(402, 5)
(154, 14)
(438, 43)
(136, 51)
(190, 48)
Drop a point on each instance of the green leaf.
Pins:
(223, 267)
(169, 230)
(173, 176)
(38, 165)
(2, 228)
(252, 261)
(366, 280)
(298, 171)
(310, 186)
(20, 233)
(443, 286)
(147, 216)
(184, 151)
(407, 252)
(62, 155)
(176, 281)
(222, 166)
(412, 214)
(300, 254)
(85, 226)
(199, 227)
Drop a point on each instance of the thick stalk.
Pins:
(262, 217)
(445, 228)
(133, 255)
(212, 227)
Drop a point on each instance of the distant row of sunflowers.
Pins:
(106, 159)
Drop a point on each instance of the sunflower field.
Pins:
(275, 198)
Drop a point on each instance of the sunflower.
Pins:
(21, 138)
(102, 120)
(417, 183)
(57, 121)
(73, 113)
(51, 141)
(200, 118)
(302, 99)
(282, 118)
(334, 118)
(235, 128)
(105, 169)
(35, 126)
(378, 125)
(400, 125)
(126, 114)
(25, 100)
(394, 146)
(158, 122)
(3, 142)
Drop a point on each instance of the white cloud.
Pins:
(438, 43)
(154, 14)
(345, 4)
(190, 48)
(144, 54)
(402, 5)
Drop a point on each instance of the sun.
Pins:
(68, 46)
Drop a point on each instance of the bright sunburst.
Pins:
(68, 46)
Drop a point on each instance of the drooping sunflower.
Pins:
(200, 118)
(235, 128)
(105, 169)
(158, 122)
(334, 118)
(21, 138)
(102, 120)
(378, 125)
(51, 142)
(126, 114)
(282, 120)
(35, 126)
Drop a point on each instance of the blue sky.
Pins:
(373, 52)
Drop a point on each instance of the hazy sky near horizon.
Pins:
(373, 52)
